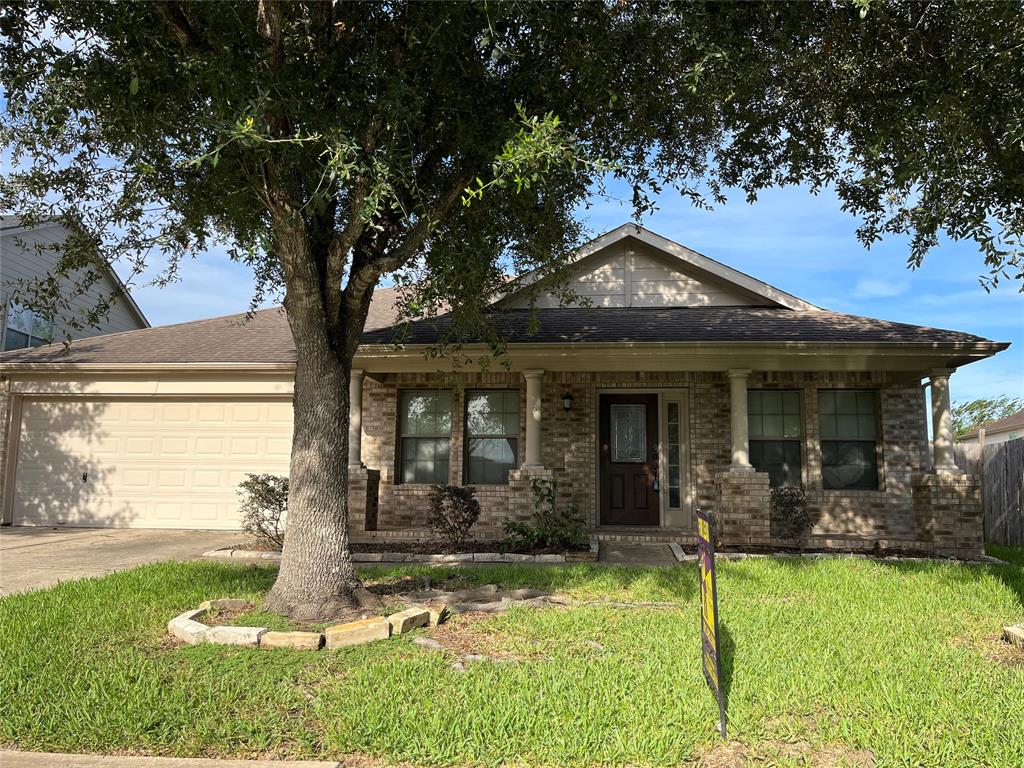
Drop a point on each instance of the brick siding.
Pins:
(851, 518)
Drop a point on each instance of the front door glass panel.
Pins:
(629, 433)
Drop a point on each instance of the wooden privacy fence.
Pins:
(1001, 468)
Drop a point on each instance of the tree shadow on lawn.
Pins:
(677, 583)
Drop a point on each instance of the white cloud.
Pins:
(873, 288)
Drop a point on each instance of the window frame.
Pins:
(466, 436)
(799, 440)
(400, 436)
(877, 440)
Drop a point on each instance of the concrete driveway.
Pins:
(33, 558)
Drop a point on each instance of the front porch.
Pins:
(696, 449)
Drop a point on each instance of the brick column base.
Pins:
(743, 516)
(363, 493)
(948, 513)
(520, 492)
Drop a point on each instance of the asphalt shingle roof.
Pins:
(263, 337)
(266, 338)
(688, 324)
(1013, 421)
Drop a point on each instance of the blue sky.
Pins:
(801, 243)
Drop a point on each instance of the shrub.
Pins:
(553, 527)
(789, 514)
(453, 511)
(263, 508)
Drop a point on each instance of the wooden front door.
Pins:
(629, 460)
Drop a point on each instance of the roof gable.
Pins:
(37, 247)
(634, 267)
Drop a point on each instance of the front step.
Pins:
(626, 535)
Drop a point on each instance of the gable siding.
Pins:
(632, 274)
(22, 259)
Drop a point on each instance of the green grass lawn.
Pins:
(824, 660)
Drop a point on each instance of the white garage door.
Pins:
(144, 463)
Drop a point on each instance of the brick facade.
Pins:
(948, 513)
(848, 519)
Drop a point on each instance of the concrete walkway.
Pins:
(636, 554)
(34, 558)
(55, 760)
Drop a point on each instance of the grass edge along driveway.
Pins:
(849, 660)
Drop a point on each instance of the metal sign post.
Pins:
(711, 650)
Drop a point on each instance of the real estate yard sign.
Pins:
(711, 652)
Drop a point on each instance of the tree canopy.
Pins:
(164, 126)
(969, 415)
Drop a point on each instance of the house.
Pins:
(998, 431)
(683, 383)
(29, 253)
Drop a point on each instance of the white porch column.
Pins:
(738, 412)
(355, 419)
(942, 423)
(534, 383)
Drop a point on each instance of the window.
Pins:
(492, 435)
(775, 434)
(849, 449)
(425, 429)
(673, 442)
(25, 328)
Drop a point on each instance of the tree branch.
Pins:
(366, 271)
(270, 23)
(187, 36)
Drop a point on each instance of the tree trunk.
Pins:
(317, 577)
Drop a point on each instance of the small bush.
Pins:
(789, 514)
(453, 511)
(263, 508)
(553, 527)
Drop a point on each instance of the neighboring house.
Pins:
(686, 384)
(998, 431)
(32, 253)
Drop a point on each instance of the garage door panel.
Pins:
(154, 464)
(170, 446)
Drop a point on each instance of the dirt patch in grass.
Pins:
(993, 648)
(469, 634)
(798, 753)
(996, 649)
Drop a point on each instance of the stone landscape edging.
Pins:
(1014, 635)
(426, 608)
(188, 628)
(412, 557)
